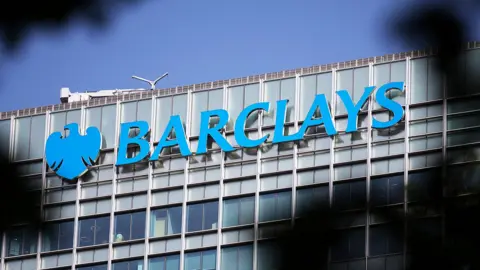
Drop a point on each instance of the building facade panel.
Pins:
(220, 209)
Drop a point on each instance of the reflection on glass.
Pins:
(27, 144)
(238, 211)
(57, 236)
(94, 267)
(166, 221)
(171, 262)
(128, 265)
(205, 101)
(104, 118)
(354, 81)
(390, 72)
(4, 135)
(239, 97)
(279, 90)
(166, 107)
(205, 260)
(129, 226)
(21, 241)
(275, 206)
(203, 216)
(237, 258)
(312, 197)
(312, 85)
(387, 190)
(93, 231)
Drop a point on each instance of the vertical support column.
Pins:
(332, 147)
(221, 192)
(444, 149)
(295, 148)
(78, 192)
(257, 177)
(332, 141)
(185, 188)
(114, 184)
(44, 173)
(407, 88)
(370, 100)
(10, 157)
(153, 118)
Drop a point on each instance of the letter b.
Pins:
(139, 140)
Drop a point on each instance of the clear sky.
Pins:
(196, 41)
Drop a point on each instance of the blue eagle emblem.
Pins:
(71, 156)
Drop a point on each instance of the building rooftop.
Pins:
(112, 96)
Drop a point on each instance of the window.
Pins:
(351, 244)
(171, 262)
(239, 97)
(424, 185)
(205, 260)
(57, 236)
(104, 118)
(388, 190)
(238, 211)
(312, 198)
(313, 85)
(4, 136)
(205, 101)
(386, 239)
(354, 81)
(390, 72)
(166, 107)
(279, 90)
(237, 258)
(267, 256)
(93, 267)
(128, 265)
(350, 195)
(27, 144)
(21, 241)
(93, 231)
(129, 226)
(202, 216)
(166, 221)
(275, 206)
(426, 82)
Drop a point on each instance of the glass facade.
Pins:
(219, 210)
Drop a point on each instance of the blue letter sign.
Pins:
(70, 157)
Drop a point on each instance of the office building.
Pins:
(219, 210)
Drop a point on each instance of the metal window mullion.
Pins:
(332, 146)
(186, 174)
(220, 195)
(257, 178)
(370, 107)
(295, 148)
(150, 184)
(406, 160)
(44, 171)
(77, 200)
(118, 119)
(11, 147)
(444, 150)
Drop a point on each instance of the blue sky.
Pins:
(196, 41)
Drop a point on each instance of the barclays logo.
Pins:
(71, 156)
